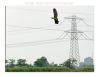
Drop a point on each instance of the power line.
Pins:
(26, 27)
(31, 28)
(86, 23)
(35, 43)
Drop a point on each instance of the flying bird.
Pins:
(55, 16)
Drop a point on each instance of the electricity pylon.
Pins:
(74, 46)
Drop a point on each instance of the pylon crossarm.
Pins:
(69, 31)
(73, 17)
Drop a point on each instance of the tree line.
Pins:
(40, 62)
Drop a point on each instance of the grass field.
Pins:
(47, 69)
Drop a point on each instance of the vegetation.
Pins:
(42, 62)
(42, 65)
(21, 62)
(47, 69)
(70, 63)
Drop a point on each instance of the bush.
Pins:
(47, 69)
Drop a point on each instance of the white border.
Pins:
(63, 74)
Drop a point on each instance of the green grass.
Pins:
(47, 69)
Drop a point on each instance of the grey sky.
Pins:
(40, 16)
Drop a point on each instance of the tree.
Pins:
(41, 62)
(70, 63)
(21, 62)
(11, 63)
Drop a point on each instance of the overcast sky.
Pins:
(21, 19)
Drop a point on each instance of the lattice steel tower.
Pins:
(74, 46)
